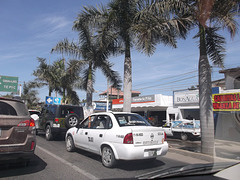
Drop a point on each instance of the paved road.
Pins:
(52, 161)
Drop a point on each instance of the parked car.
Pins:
(57, 119)
(117, 136)
(17, 131)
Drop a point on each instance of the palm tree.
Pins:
(118, 25)
(44, 75)
(67, 79)
(59, 79)
(93, 55)
(29, 95)
(208, 16)
(218, 13)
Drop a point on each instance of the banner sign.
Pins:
(226, 102)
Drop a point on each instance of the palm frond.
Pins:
(69, 48)
(224, 12)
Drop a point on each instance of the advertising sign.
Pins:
(8, 84)
(226, 102)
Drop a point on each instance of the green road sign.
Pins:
(8, 84)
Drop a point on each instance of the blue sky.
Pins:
(31, 28)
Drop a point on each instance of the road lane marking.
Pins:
(85, 173)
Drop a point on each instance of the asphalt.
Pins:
(224, 151)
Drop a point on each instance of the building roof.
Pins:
(114, 92)
(230, 70)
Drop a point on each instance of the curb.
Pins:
(200, 156)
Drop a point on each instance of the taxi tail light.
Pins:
(56, 120)
(27, 123)
(164, 137)
(128, 139)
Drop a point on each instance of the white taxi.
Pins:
(117, 136)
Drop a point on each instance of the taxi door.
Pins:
(97, 132)
(83, 133)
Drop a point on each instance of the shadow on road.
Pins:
(11, 169)
(136, 165)
(132, 165)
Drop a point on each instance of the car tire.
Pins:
(48, 133)
(72, 120)
(108, 157)
(70, 146)
(184, 136)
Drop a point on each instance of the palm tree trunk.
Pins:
(127, 89)
(89, 87)
(205, 99)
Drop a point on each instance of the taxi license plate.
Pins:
(150, 153)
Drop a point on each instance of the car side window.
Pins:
(88, 122)
(102, 122)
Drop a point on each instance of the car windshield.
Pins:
(131, 120)
(164, 74)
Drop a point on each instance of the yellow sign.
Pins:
(226, 102)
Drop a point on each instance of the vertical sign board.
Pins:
(8, 84)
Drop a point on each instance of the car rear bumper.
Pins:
(15, 151)
(16, 156)
(131, 152)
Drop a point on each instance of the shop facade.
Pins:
(152, 107)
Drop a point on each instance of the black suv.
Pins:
(17, 131)
(57, 119)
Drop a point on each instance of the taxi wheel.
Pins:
(70, 144)
(108, 158)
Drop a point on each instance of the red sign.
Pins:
(226, 102)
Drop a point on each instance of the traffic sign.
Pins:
(49, 100)
(56, 100)
(8, 84)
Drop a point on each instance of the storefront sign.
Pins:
(143, 99)
(226, 102)
(186, 98)
(99, 106)
(139, 99)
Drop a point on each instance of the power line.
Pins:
(163, 79)
(167, 83)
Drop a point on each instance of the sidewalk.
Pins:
(224, 151)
